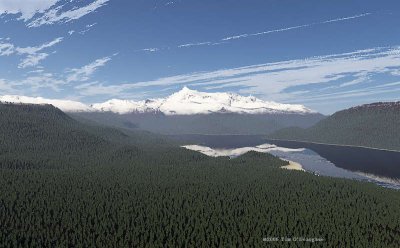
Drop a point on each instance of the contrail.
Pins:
(295, 27)
(240, 36)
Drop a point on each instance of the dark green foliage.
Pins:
(374, 125)
(34, 136)
(158, 195)
(197, 204)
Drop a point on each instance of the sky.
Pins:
(327, 55)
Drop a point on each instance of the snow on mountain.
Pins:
(184, 102)
(64, 105)
(128, 106)
(191, 102)
(118, 106)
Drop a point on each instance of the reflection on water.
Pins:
(310, 160)
(382, 163)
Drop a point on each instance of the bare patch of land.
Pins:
(293, 166)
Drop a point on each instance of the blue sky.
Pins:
(327, 55)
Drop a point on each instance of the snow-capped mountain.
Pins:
(188, 112)
(191, 102)
(184, 102)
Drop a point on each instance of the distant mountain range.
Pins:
(189, 112)
(184, 102)
(374, 125)
(192, 102)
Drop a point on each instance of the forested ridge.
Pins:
(45, 137)
(374, 125)
(68, 184)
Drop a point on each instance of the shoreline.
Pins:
(266, 138)
(380, 179)
(233, 153)
(292, 166)
(339, 145)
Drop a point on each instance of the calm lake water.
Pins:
(378, 166)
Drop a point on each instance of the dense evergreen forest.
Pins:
(373, 125)
(68, 184)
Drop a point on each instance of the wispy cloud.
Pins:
(45, 12)
(170, 3)
(5, 87)
(32, 54)
(6, 49)
(35, 49)
(84, 73)
(40, 79)
(163, 3)
(26, 9)
(83, 30)
(87, 28)
(152, 49)
(342, 74)
(57, 15)
(32, 60)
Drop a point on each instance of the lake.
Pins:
(378, 166)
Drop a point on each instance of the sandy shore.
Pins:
(293, 166)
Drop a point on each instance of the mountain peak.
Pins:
(185, 92)
(185, 89)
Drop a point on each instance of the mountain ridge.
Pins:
(183, 102)
(375, 125)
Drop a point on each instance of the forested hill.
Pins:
(42, 136)
(374, 125)
(37, 136)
